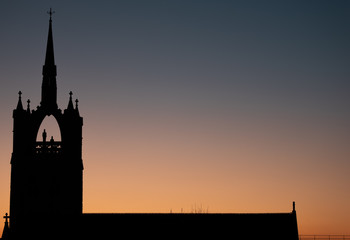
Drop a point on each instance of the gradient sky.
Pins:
(234, 106)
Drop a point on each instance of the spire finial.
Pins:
(19, 94)
(50, 13)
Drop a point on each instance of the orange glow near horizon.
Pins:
(180, 166)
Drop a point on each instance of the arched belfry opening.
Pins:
(48, 138)
(50, 129)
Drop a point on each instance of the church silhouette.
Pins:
(46, 197)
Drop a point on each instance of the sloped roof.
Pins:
(216, 225)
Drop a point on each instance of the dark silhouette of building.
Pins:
(46, 176)
(47, 185)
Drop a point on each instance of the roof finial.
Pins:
(293, 207)
(50, 13)
(6, 217)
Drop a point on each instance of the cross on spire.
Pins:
(50, 13)
(6, 217)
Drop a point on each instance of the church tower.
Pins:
(46, 174)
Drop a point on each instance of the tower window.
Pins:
(52, 130)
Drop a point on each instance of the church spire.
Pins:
(50, 58)
(49, 87)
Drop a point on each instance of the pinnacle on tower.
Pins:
(28, 106)
(70, 103)
(19, 104)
